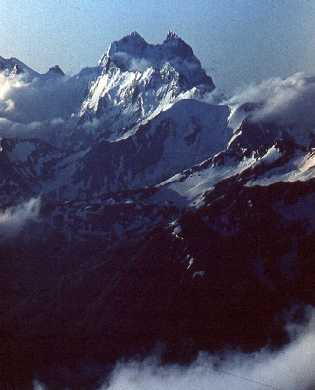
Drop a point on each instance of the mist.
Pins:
(34, 107)
(287, 102)
(291, 368)
(13, 219)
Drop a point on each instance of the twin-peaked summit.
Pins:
(134, 120)
(133, 53)
(138, 80)
(133, 81)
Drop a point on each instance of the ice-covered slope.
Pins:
(188, 188)
(257, 153)
(139, 80)
(176, 139)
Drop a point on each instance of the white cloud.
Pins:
(13, 219)
(290, 369)
(41, 104)
(131, 63)
(288, 102)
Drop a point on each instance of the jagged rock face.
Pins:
(25, 165)
(134, 53)
(184, 135)
(255, 136)
(140, 80)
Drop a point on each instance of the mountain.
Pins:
(179, 137)
(139, 80)
(135, 148)
(24, 164)
(55, 71)
(14, 67)
(164, 213)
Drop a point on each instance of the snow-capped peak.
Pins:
(139, 79)
(133, 50)
(132, 44)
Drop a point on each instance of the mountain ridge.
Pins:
(139, 212)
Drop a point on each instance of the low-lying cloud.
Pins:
(290, 369)
(41, 104)
(288, 102)
(13, 219)
(38, 105)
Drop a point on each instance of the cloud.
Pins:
(42, 129)
(290, 369)
(288, 102)
(13, 219)
(139, 65)
(40, 104)
(37, 385)
(91, 125)
(133, 64)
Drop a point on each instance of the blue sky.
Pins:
(238, 41)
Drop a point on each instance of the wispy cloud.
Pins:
(290, 369)
(13, 219)
(37, 105)
(288, 102)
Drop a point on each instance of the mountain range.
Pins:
(160, 210)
